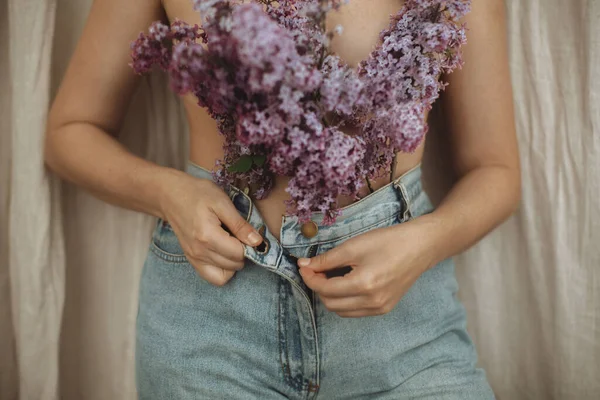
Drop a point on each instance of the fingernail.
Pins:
(303, 262)
(254, 238)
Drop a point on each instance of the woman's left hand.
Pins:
(385, 263)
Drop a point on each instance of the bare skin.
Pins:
(89, 109)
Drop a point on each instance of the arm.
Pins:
(478, 105)
(80, 145)
(484, 145)
(90, 106)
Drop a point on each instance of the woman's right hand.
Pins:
(197, 209)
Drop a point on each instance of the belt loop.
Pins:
(242, 203)
(405, 199)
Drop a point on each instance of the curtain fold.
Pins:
(70, 264)
(35, 250)
(8, 363)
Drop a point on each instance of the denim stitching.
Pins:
(238, 192)
(170, 257)
(354, 233)
(406, 201)
(285, 367)
(256, 260)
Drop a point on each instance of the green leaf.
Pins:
(259, 160)
(243, 164)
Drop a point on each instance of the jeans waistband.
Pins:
(389, 201)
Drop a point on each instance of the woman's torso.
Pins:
(362, 21)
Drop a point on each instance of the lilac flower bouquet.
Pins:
(265, 73)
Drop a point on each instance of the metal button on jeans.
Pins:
(309, 229)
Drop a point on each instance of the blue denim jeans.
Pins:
(265, 335)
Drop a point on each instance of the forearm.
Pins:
(481, 200)
(87, 156)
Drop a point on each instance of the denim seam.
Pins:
(312, 317)
(394, 183)
(397, 181)
(407, 214)
(285, 366)
(354, 233)
(235, 192)
(170, 257)
(314, 312)
(261, 263)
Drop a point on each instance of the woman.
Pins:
(239, 300)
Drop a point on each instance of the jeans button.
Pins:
(309, 229)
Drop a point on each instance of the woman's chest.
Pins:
(361, 20)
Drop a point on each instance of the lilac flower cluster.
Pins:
(401, 76)
(265, 73)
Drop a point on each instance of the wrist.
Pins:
(430, 238)
(166, 184)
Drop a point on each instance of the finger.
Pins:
(237, 225)
(339, 256)
(214, 275)
(219, 241)
(218, 260)
(209, 257)
(345, 286)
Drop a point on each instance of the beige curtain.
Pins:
(69, 264)
(33, 262)
(8, 377)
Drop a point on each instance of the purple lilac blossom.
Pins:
(265, 73)
(402, 75)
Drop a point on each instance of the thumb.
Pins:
(334, 258)
(237, 226)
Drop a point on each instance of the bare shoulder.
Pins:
(98, 82)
